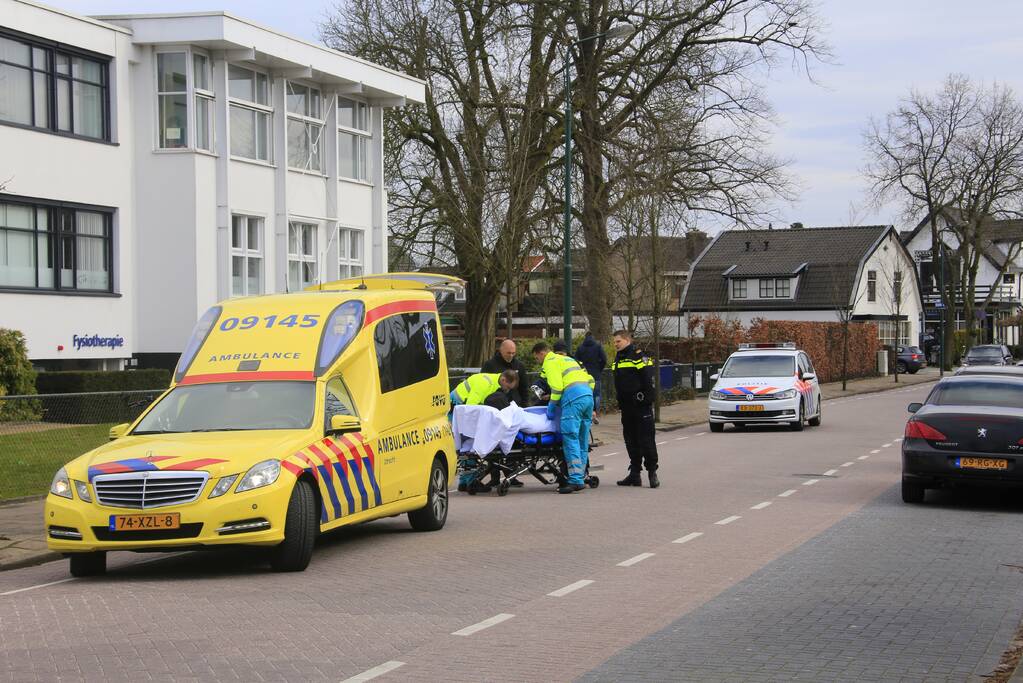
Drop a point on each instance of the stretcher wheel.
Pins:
(502, 489)
(594, 482)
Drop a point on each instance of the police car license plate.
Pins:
(749, 409)
(982, 463)
(170, 520)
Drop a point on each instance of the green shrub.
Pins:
(103, 408)
(17, 378)
(67, 382)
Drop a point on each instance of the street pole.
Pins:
(941, 300)
(567, 284)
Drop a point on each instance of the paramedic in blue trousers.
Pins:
(572, 391)
(484, 388)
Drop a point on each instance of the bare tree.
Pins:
(957, 155)
(894, 297)
(845, 308)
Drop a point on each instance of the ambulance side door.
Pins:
(408, 357)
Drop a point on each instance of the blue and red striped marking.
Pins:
(150, 464)
(342, 467)
(743, 391)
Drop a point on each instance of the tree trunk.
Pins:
(480, 307)
(845, 351)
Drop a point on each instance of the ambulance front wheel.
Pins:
(431, 517)
(295, 551)
(88, 564)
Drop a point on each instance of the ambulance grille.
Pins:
(143, 490)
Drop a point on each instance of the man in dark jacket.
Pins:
(591, 356)
(505, 359)
(634, 386)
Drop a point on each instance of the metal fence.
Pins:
(39, 434)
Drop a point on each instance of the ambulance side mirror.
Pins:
(345, 423)
(117, 431)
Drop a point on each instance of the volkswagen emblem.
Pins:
(749, 397)
(982, 433)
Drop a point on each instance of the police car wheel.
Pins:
(717, 427)
(295, 551)
(815, 421)
(88, 564)
(431, 517)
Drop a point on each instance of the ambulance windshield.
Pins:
(743, 365)
(232, 406)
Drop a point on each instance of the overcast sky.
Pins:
(881, 49)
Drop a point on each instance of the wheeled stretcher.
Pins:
(510, 447)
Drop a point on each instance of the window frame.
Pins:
(52, 208)
(307, 120)
(362, 137)
(258, 108)
(788, 288)
(192, 96)
(246, 253)
(766, 288)
(344, 256)
(300, 257)
(739, 289)
(872, 285)
(52, 49)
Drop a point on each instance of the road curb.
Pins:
(41, 557)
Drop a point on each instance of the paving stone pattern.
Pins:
(928, 599)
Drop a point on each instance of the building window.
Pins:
(766, 288)
(897, 288)
(893, 332)
(350, 253)
(301, 255)
(871, 285)
(183, 78)
(353, 139)
(251, 113)
(54, 247)
(783, 288)
(53, 89)
(246, 255)
(738, 289)
(1007, 279)
(305, 128)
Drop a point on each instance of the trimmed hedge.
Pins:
(73, 381)
(98, 409)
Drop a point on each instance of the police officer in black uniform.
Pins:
(634, 386)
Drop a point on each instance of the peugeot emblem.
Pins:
(749, 397)
(982, 433)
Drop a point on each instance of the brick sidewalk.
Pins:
(689, 413)
(22, 542)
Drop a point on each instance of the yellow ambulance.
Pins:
(288, 415)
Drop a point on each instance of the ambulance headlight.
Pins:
(61, 485)
(717, 394)
(259, 475)
(788, 393)
(222, 486)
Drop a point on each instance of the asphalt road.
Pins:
(765, 555)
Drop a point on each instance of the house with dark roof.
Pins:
(809, 274)
(999, 274)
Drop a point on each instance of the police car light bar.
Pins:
(767, 345)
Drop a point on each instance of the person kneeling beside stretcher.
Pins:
(485, 388)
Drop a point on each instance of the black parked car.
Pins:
(968, 431)
(910, 359)
(988, 354)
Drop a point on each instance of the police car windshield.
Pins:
(232, 406)
(759, 366)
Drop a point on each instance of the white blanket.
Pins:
(481, 429)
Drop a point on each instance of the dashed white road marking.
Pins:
(700, 433)
(761, 506)
(830, 473)
(886, 445)
(661, 443)
(786, 494)
(486, 623)
(375, 672)
(688, 537)
(635, 560)
(30, 588)
(876, 450)
(611, 453)
(570, 588)
(728, 520)
(682, 438)
(863, 457)
(848, 464)
(810, 482)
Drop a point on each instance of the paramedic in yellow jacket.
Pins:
(572, 391)
(475, 391)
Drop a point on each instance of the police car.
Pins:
(766, 383)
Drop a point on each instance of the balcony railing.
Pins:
(999, 294)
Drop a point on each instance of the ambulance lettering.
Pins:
(275, 355)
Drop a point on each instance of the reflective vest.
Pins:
(563, 372)
(476, 388)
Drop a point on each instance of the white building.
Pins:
(152, 165)
(809, 274)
